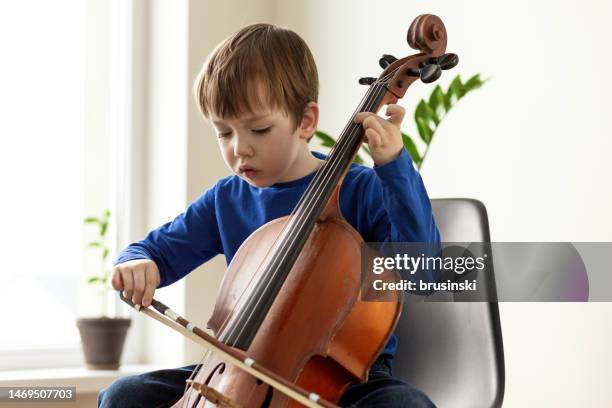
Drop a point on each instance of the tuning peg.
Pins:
(448, 61)
(431, 72)
(428, 72)
(413, 72)
(366, 81)
(445, 61)
(386, 60)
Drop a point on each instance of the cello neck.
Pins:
(339, 160)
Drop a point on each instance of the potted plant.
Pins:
(428, 115)
(102, 337)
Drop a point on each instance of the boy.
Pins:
(259, 89)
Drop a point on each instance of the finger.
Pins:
(374, 138)
(139, 284)
(152, 280)
(116, 280)
(128, 282)
(396, 114)
(374, 122)
(360, 117)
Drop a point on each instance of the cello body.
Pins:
(321, 295)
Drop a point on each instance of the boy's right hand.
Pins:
(138, 280)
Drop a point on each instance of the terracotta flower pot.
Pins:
(102, 339)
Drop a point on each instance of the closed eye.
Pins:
(221, 135)
(262, 131)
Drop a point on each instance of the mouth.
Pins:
(248, 171)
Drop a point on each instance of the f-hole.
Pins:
(220, 367)
(268, 399)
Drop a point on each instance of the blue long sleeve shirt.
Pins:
(386, 203)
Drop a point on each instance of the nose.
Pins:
(242, 146)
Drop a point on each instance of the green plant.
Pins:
(100, 243)
(428, 115)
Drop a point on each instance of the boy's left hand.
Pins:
(383, 136)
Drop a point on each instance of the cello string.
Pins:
(199, 366)
(260, 274)
(345, 146)
(188, 385)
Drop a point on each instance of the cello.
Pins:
(291, 326)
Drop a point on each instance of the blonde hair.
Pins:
(259, 61)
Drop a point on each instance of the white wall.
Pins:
(532, 144)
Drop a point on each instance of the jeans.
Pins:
(163, 388)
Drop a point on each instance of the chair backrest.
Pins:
(453, 351)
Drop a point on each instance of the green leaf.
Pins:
(103, 228)
(326, 140)
(97, 279)
(107, 214)
(438, 102)
(473, 83)
(95, 244)
(455, 89)
(91, 220)
(105, 254)
(424, 110)
(424, 130)
(367, 149)
(412, 149)
(428, 115)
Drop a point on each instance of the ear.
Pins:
(310, 120)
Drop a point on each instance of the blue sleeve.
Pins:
(401, 209)
(180, 246)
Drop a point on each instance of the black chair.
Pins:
(453, 351)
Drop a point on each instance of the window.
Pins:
(41, 163)
(59, 107)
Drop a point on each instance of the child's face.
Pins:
(261, 147)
